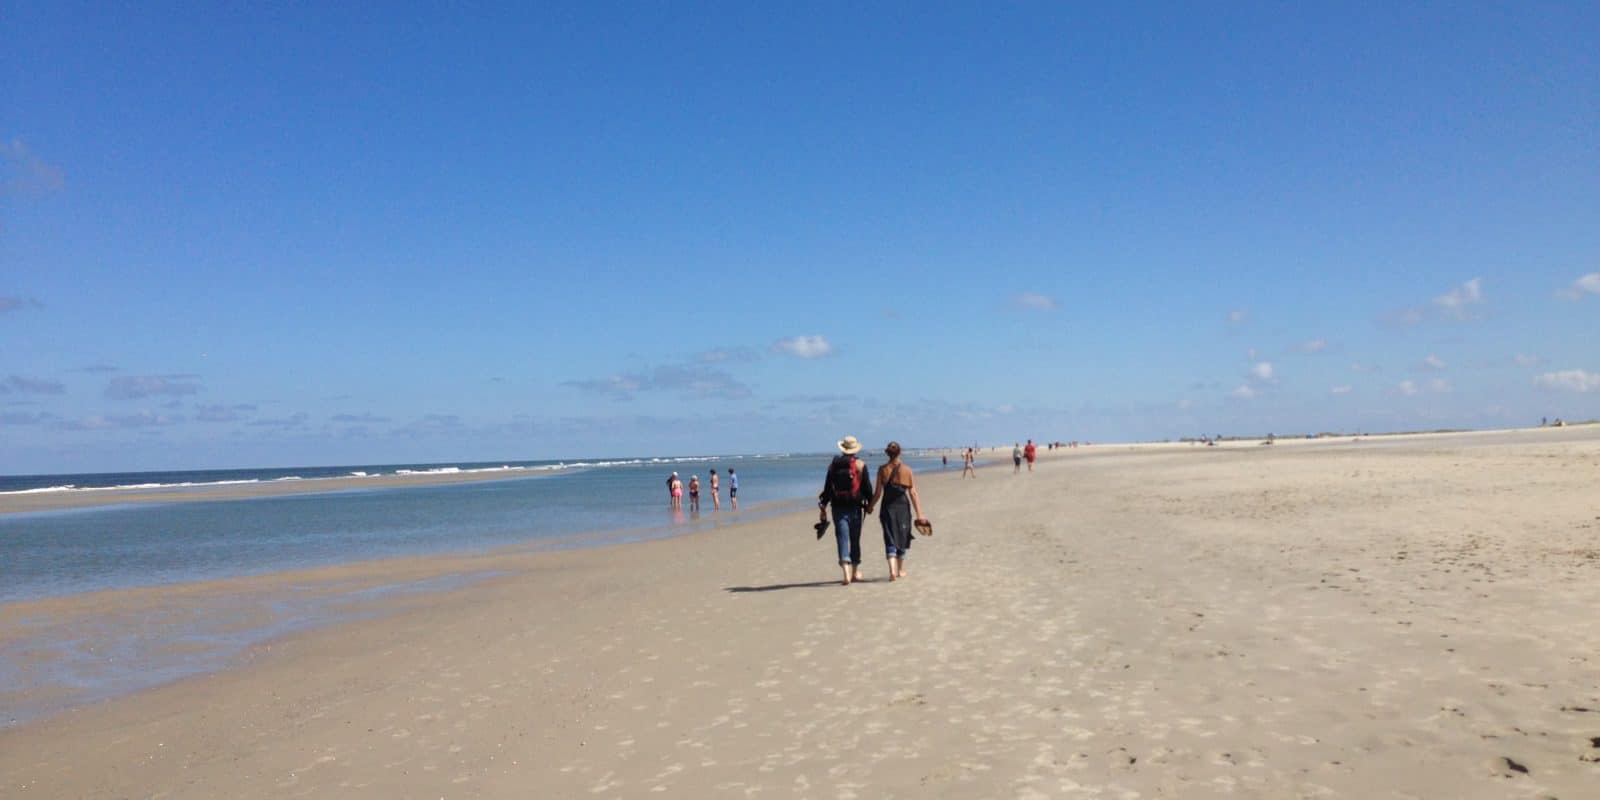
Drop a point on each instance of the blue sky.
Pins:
(244, 234)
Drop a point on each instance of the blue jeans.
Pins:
(847, 529)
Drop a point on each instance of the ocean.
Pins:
(536, 505)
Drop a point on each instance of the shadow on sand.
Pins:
(777, 586)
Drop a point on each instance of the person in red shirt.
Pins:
(1028, 453)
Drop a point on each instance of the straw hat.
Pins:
(849, 446)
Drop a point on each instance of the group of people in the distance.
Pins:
(675, 491)
(848, 491)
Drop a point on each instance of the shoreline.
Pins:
(28, 501)
(21, 503)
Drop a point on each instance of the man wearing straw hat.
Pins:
(846, 489)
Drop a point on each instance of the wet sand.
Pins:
(1406, 617)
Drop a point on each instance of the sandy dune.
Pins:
(1406, 618)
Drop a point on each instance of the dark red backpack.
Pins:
(844, 479)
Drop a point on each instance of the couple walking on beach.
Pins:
(1018, 452)
(848, 491)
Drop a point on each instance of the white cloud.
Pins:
(1362, 369)
(1528, 361)
(1456, 301)
(1238, 316)
(804, 346)
(1410, 388)
(1569, 380)
(1346, 389)
(1312, 346)
(1432, 363)
(1586, 284)
(1457, 304)
(1031, 301)
(1244, 392)
(28, 174)
(1262, 371)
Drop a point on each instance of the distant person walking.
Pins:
(675, 488)
(694, 492)
(716, 493)
(1016, 458)
(900, 508)
(1030, 452)
(733, 489)
(846, 490)
(966, 464)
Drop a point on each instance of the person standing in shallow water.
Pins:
(900, 506)
(716, 493)
(733, 489)
(846, 490)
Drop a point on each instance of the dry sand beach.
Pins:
(1405, 617)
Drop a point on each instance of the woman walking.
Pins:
(900, 509)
